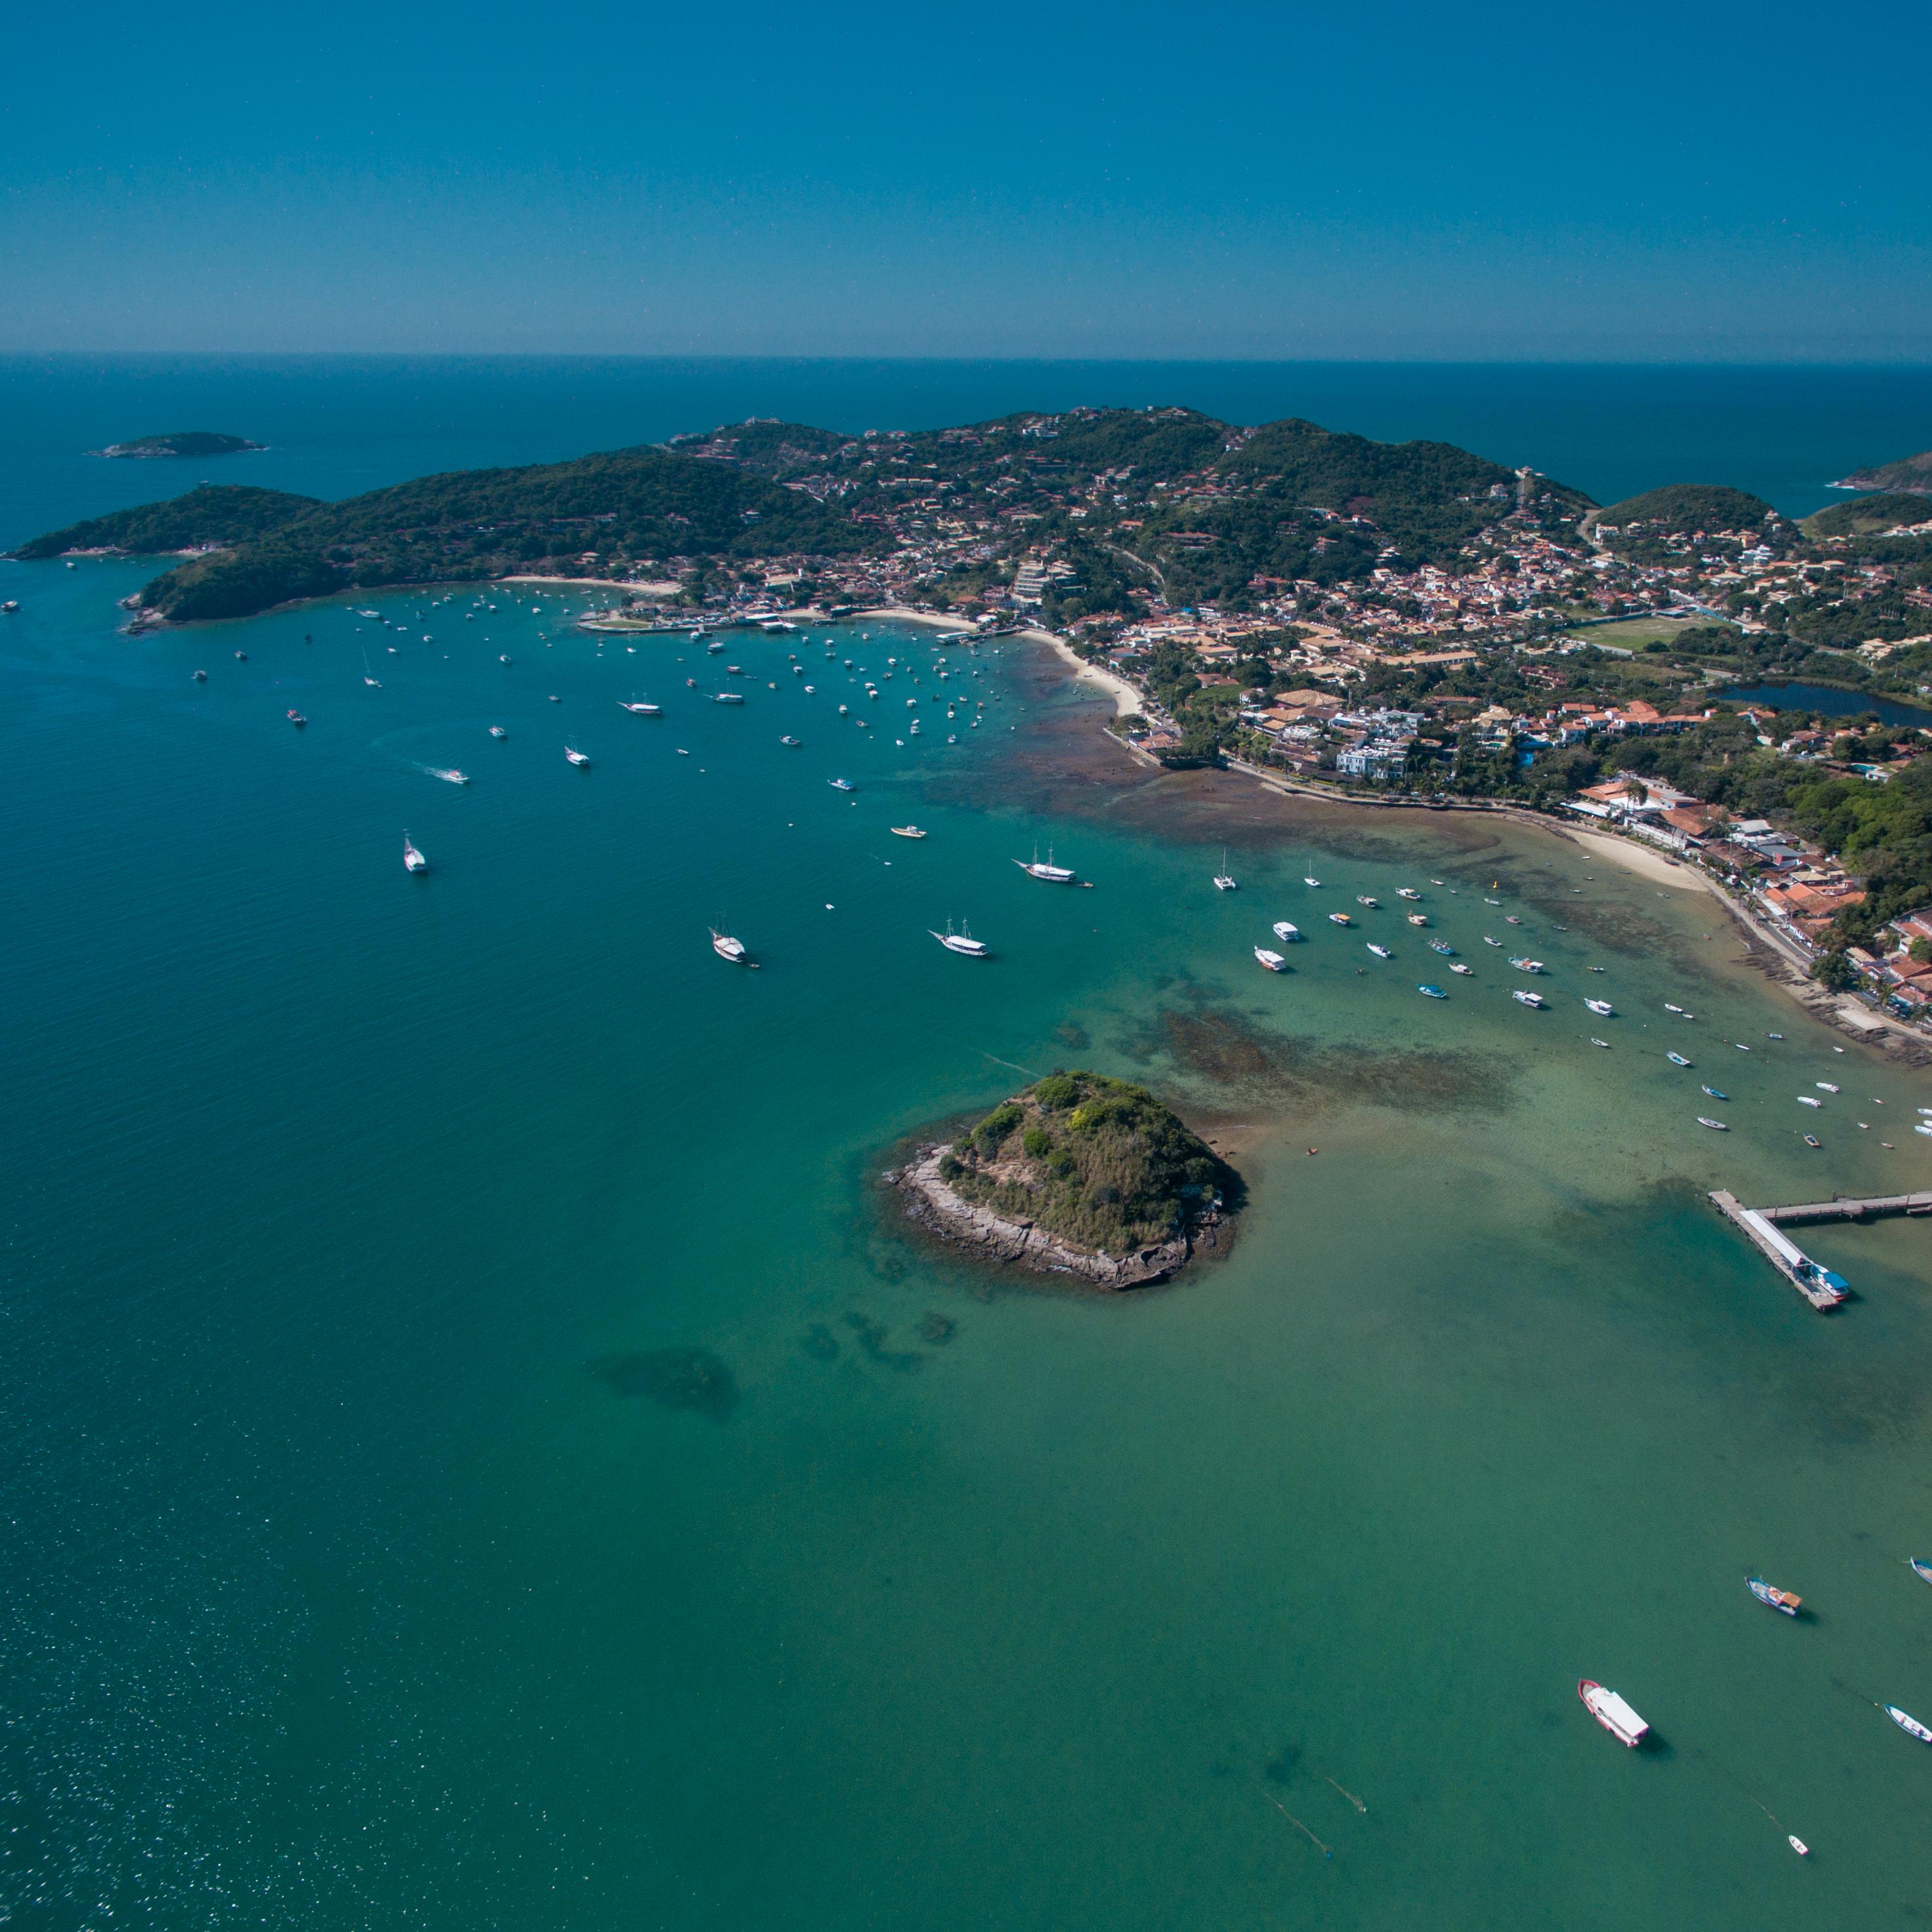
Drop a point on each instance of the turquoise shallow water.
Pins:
(376, 1555)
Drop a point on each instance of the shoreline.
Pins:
(1126, 699)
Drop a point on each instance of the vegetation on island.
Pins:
(184, 442)
(1868, 516)
(1679, 510)
(215, 513)
(1909, 472)
(1097, 1162)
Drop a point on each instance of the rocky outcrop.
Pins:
(994, 1237)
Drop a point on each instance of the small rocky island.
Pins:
(184, 442)
(1079, 1175)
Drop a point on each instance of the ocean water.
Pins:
(482, 1450)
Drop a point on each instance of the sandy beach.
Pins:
(905, 614)
(1126, 699)
(1643, 860)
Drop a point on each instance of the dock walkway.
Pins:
(1817, 1283)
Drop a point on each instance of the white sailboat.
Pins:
(962, 942)
(576, 757)
(1224, 879)
(638, 710)
(726, 947)
(413, 860)
(1057, 875)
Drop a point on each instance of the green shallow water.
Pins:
(481, 1449)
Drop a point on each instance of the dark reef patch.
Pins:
(873, 1336)
(937, 1329)
(820, 1343)
(693, 1378)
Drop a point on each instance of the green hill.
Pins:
(1868, 516)
(1097, 1162)
(183, 442)
(1683, 509)
(215, 513)
(1909, 473)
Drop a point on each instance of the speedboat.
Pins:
(295, 717)
(497, 731)
(726, 947)
(1456, 966)
(1432, 992)
(1286, 930)
(961, 941)
(1786, 1600)
(641, 710)
(789, 739)
(1407, 892)
(452, 776)
(1602, 1007)
(842, 784)
(1034, 869)
(1911, 1726)
(1526, 999)
(1340, 918)
(1527, 965)
(906, 832)
(1611, 1711)
(575, 756)
(1705, 1121)
(413, 860)
(1677, 1059)
(1805, 1100)
(1380, 952)
(1442, 946)
(1273, 961)
(1715, 1095)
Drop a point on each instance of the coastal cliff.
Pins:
(1078, 1174)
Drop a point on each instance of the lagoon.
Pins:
(1832, 701)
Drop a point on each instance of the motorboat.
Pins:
(1611, 1711)
(1786, 1600)
(1488, 941)
(502, 657)
(1456, 966)
(1603, 1007)
(451, 776)
(1510, 919)
(1911, 1726)
(201, 677)
(1526, 999)
(1806, 1100)
(1442, 946)
(961, 942)
(1432, 992)
(1417, 918)
(789, 739)
(1677, 1059)
(295, 717)
(576, 757)
(1380, 952)
(1035, 868)
(1272, 960)
(497, 731)
(1340, 918)
(842, 784)
(1715, 1094)
(726, 947)
(413, 860)
(1824, 1086)
(905, 831)
(1407, 892)
(1527, 965)
(1286, 930)
(1367, 899)
(1705, 1121)
(1921, 1568)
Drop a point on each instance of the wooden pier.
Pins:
(1817, 1284)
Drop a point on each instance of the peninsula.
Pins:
(1078, 1174)
(183, 442)
(1913, 473)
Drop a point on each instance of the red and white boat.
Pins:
(1612, 1712)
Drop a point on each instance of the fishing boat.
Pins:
(1407, 892)
(1456, 966)
(1224, 879)
(1527, 965)
(1911, 1726)
(1272, 960)
(413, 860)
(451, 776)
(576, 757)
(1417, 918)
(1806, 1100)
(1432, 992)
(726, 947)
(1705, 1121)
(1286, 929)
(1380, 952)
(842, 784)
(1786, 1600)
(1824, 1086)
(1441, 946)
(1340, 918)
(728, 697)
(906, 832)
(295, 717)
(961, 942)
(1715, 1095)
(714, 647)
(1677, 1059)
(1035, 868)
(638, 710)
(1595, 1042)
(1611, 1711)
(1526, 999)
(1309, 879)
(789, 739)
(1601, 1006)
(497, 731)
(1367, 899)
(1921, 1568)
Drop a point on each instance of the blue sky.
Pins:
(1636, 182)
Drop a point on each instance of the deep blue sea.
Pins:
(479, 1448)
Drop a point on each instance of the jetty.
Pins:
(1818, 1285)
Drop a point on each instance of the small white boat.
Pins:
(1798, 1844)
(842, 784)
(497, 731)
(638, 710)
(789, 739)
(961, 941)
(1432, 992)
(1602, 1007)
(1526, 999)
(1340, 918)
(1806, 1100)
(1309, 879)
(1911, 1726)
(413, 860)
(1407, 892)
(1705, 1121)
(1285, 930)
(201, 677)
(575, 756)
(1273, 961)
(1488, 941)
(1595, 1042)
(726, 947)
(1057, 875)
(1677, 1059)
(1417, 918)
(1824, 1086)
(1367, 899)
(905, 831)
(502, 657)
(1380, 952)
(1456, 966)
(451, 776)
(1611, 1711)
